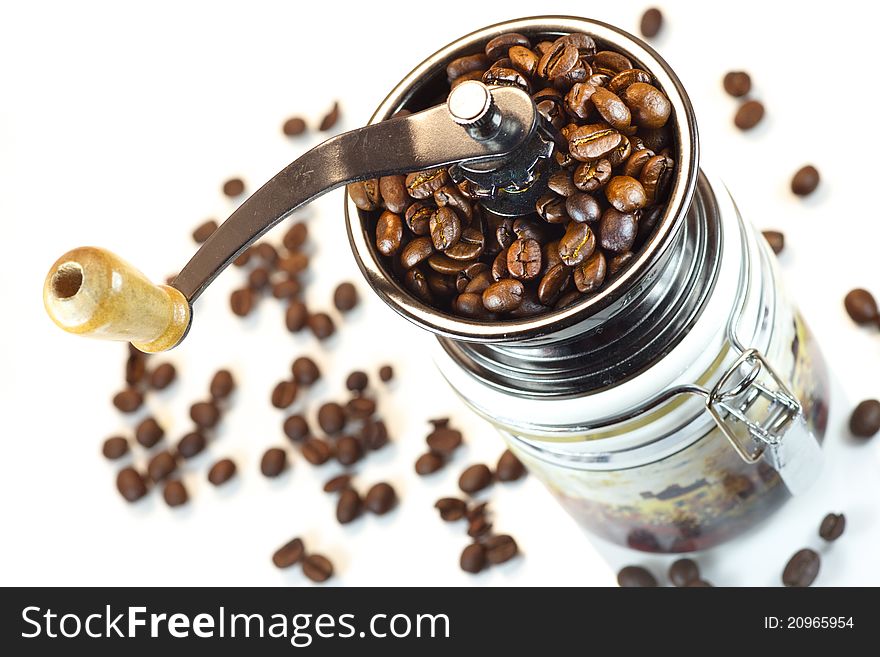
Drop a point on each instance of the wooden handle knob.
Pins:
(92, 292)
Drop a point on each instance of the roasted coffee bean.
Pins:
(832, 526)
(592, 142)
(618, 262)
(244, 258)
(205, 414)
(805, 181)
(305, 371)
(258, 278)
(578, 100)
(380, 498)
(611, 108)
(317, 568)
(360, 408)
(583, 208)
(451, 508)
(357, 381)
(192, 444)
(466, 64)
(296, 427)
(551, 105)
(611, 62)
(590, 274)
(550, 207)
(865, 419)
(649, 106)
(509, 467)
(748, 115)
(330, 119)
(131, 484)
(293, 263)
(471, 305)
(473, 75)
(338, 483)
(316, 451)
(148, 432)
(389, 233)
(501, 45)
(478, 527)
(416, 251)
(221, 472)
(429, 463)
(135, 369)
(349, 506)
(174, 493)
(331, 418)
(374, 434)
(524, 60)
(222, 384)
(418, 217)
(293, 126)
(416, 282)
(274, 462)
(233, 187)
(550, 255)
(503, 296)
(365, 194)
(465, 276)
(393, 191)
(567, 299)
(506, 77)
(242, 302)
(802, 569)
(284, 394)
(737, 83)
(452, 196)
(348, 450)
(161, 465)
(592, 176)
(561, 183)
(345, 297)
(635, 576)
(128, 401)
(386, 373)
(577, 244)
(473, 558)
(469, 246)
(423, 184)
(321, 325)
(861, 306)
(204, 231)
(558, 60)
(500, 549)
(617, 230)
(553, 283)
(624, 79)
(775, 239)
(475, 478)
(286, 289)
(652, 21)
(526, 228)
(114, 448)
(626, 194)
(268, 253)
(583, 42)
(683, 571)
(445, 228)
(289, 554)
(655, 177)
(524, 259)
(163, 376)
(444, 441)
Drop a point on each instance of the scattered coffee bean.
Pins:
(357, 381)
(380, 498)
(284, 394)
(652, 21)
(128, 401)
(386, 373)
(321, 325)
(683, 571)
(345, 297)
(274, 462)
(305, 371)
(191, 445)
(832, 526)
(348, 450)
(135, 369)
(161, 465)
(296, 236)
(286, 289)
(175, 493)
(204, 231)
(131, 484)
(148, 432)
(293, 126)
(475, 478)
(374, 434)
(114, 448)
(163, 376)
(338, 483)
(296, 428)
(289, 554)
(478, 526)
(737, 83)
(331, 418)
(233, 187)
(242, 302)
(205, 414)
(473, 558)
(221, 472)
(296, 316)
(349, 506)
(360, 408)
(316, 451)
(429, 463)
(500, 548)
(222, 385)
(635, 577)
(451, 508)
(444, 441)
(775, 239)
(330, 118)
(805, 181)
(258, 279)
(865, 419)
(748, 115)
(317, 568)
(509, 467)
(861, 306)
(802, 569)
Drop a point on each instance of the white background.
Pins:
(118, 125)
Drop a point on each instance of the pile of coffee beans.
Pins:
(442, 441)
(316, 567)
(487, 548)
(379, 499)
(607, 189)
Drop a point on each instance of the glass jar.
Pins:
(680, 405)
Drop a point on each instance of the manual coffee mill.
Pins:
(651, 409)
